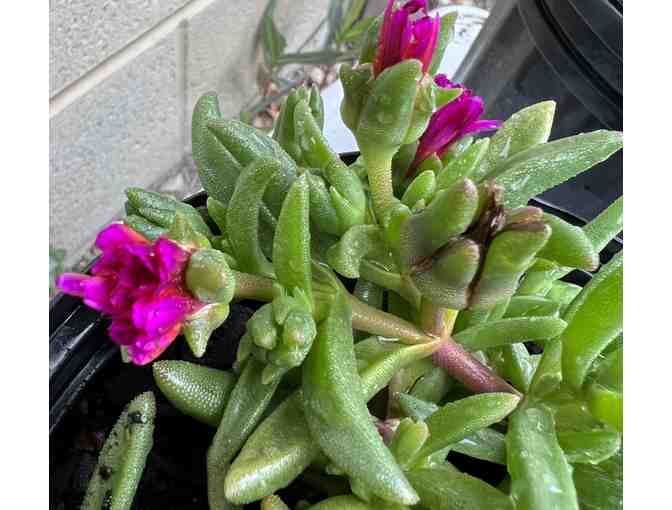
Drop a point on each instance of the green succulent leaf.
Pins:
(243, 212)
(445, 488)
(344, 503)
(291, 245)
(408, 440)
(606, 225)
(590, 446)
(246, 145)
(594, 319)
(541, 476)
(282, 446)
(388, 109)
(122, 458)
(509, 255)
(606, 404)
(358, 243)
(544, 166)
(145, 228)
(421, 188)
(569, 245)
(600, 487)
(463, 165)
(533, 306)
(510, 331)
(447, 216)
(457, 420)
(247, 402)
(526, 128)
(198, 391)
(273, 503)
(335, 409)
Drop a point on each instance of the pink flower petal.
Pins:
(415, 5)
(147, 351)
(450, 123)
(140, 285)
(172, 260)
(117, 235)
(72, 283)
(97, 293)
(425, 33)
(482, 125)
(403, 38)
(442, 81)
(123, 332)
(144, 253)
(157, 316)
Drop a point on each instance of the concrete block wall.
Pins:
(125, 75)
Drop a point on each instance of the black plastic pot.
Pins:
(566, 50)
(88, 382)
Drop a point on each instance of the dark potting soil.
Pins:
(175, 474)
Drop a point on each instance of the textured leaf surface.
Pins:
(542, 167)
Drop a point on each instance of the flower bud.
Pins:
(356, 85)
(509, 255)
(209, 278)
(280, 334)
(445, 278)
(449, 214)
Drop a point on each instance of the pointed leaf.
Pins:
(243, 212)
(606, 225)
(198, 391)
(541, 477)
(526, 128)
(510, 331)
(600, 487)
(445, 488)
(594, 319)
(291, 246)
(542, 167)
(122, 458)
(355, 245)
(569, 246)
(457, 420)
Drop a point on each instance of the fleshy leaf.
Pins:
(542, 167)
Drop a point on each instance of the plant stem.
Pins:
(250, 286)
(364, 317)
(376, 322)
(450, 356)
(379, 170)
(433, 319)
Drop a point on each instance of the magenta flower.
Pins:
(402, 37)
(140, 285)
(451, 122)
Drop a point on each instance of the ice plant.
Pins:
(405, 35)
(458, 118)
(140, 285)
(455, 273)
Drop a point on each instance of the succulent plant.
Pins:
(456, 275)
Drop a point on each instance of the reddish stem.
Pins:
(460, 364)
